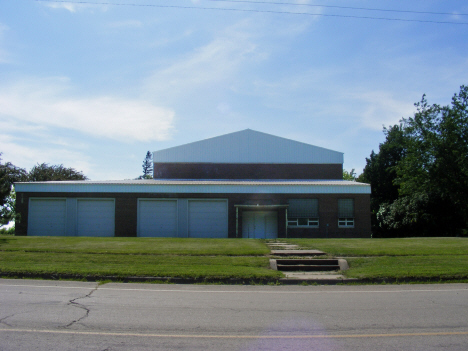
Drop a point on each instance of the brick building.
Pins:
(245, 184)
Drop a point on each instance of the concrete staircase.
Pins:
(304, 264)
(308, 264)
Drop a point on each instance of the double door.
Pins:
(260, 224)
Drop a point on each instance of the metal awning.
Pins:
(261, 207)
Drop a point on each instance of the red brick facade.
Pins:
(126, 212)
(246, 171)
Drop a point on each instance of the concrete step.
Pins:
(297, 253)
(307, 268)
(304, 261)
(308, 265)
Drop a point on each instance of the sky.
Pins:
(94, 85)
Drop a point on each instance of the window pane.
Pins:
(345, 208)
(303, 208)
(313, 222)
(345, 222)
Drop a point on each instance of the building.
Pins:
(245, 184)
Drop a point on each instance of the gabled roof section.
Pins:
(248, 146)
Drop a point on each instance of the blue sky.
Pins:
(95, 86)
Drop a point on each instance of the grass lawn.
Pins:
(152, 246)
(243, 267)
(123, 257)
(414, 258)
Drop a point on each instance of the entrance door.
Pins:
(260, 224)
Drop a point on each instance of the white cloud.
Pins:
(20, 155)
(73, 7)
(206, 66)
(45, 103)
(67, 6)
(126, 24)
(380, 108)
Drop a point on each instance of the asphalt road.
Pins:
(51, 315)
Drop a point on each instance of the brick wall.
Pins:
(126, 212)
(246, 171)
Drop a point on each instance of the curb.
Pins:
(228, 281)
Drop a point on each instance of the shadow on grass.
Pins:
(4, 241)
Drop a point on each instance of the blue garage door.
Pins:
(208, 218)
(47, 217)
(96, 217)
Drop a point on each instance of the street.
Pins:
(66, 315)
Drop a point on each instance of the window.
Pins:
(345, 213)
(303, 213)
(346, 222)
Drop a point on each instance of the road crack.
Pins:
(80, 306)
(2, 320)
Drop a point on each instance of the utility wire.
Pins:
(341, 7)
(248, 10)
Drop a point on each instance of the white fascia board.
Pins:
(359, 188)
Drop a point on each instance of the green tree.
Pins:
(380, 173)
(9, 174)
(419, 178)
(436, 163)
(44, 172)
(349, 175)
(147, 166)
(7, 210)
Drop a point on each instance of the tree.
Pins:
(436, 163)
(8, 175)
(7, 210)
(147, 166)
(380, 173)
(419, 178)
(45, 172)
(349, 175)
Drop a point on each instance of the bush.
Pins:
(7, 231)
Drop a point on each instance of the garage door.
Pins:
(157, 218)
(47, 217)
(208, 219)
(95, 217)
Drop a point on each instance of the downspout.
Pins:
(237, 222)
(286, 215)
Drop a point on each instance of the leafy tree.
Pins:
(147, 166)
(419, 178)
(45, 172)
(349, 175)
(380, 173)
(437, 159)
(8, 175)
(7, 210)
(418, 214)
